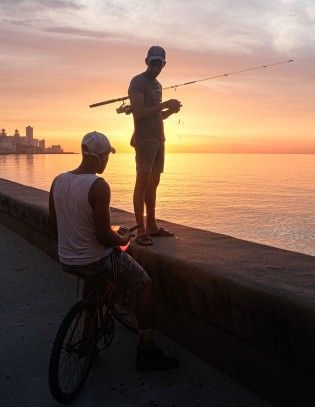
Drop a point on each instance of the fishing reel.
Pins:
(127, 109)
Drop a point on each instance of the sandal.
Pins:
(144, 240)
(161, 233)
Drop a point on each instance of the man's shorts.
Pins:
(130, 275)
(150, 156)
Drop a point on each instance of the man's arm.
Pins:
(140, 111)
(99, 199)
(52, 211)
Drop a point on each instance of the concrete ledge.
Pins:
(247, 308)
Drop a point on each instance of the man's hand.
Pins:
(123, 233)
(125, 237)
(173, 105)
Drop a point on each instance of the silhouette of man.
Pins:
(148, 140)
(79, 207)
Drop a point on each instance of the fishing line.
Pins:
(180, 122)
(226, 74)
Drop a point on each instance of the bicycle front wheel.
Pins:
(73, 350)
(124, 309)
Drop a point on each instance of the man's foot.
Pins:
(144, 240)
(161, 233)
(152, 358)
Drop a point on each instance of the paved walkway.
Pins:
(34, 296)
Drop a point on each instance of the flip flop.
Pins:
(161, 233)
(144, 240)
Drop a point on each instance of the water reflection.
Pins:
(29, 161)
(264, 198)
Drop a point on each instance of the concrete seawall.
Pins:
(247, 308)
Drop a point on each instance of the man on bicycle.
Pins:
(79, 207)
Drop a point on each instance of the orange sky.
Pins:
(58, 57)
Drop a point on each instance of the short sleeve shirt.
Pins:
(150, 127)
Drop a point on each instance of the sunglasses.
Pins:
(157, 63)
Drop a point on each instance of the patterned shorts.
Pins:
(130, 275)
(150, 156)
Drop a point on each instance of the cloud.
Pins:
(31, 6)
(82, 32)
(225, 26)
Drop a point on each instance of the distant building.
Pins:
(56, 148)
(42, 144)
(7, 147)
(35, 142)
(29, 136)
(17, 135)
(3, 133)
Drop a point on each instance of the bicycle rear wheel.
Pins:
(73, 350)
(124, 309)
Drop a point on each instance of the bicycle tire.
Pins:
(124, 309)
(71, 359)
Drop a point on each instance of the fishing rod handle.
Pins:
(107, 102)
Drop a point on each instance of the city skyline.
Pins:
(18, 144)
(96, 48)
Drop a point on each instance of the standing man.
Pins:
(145, 93)
(79, 208)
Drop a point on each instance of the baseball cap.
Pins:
(96, 143)
(156, 52)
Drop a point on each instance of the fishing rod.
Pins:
(127, 108)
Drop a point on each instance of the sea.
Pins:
(264, 198)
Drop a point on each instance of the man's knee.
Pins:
(142, 181)
(154, 180)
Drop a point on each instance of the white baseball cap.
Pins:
(96, 143)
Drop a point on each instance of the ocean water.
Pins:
(268, 199)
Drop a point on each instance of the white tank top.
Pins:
(77, 241)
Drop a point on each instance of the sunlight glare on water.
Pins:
(268, 199)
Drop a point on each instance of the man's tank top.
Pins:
(77, 241)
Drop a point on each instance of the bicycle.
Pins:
(88, 328)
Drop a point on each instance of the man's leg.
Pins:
(144, 159)
(132, 276)
(145, 307)
(142, 181)
(149, 356)
(150, 201)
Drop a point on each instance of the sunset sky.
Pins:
(60, 56)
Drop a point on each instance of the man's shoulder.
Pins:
(137, 82)
(62, 174)
(100, 190)
(100, 183)
(139, 77)
(60, 177)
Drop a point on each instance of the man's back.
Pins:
(77, 243)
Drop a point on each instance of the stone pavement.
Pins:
(34, 296)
